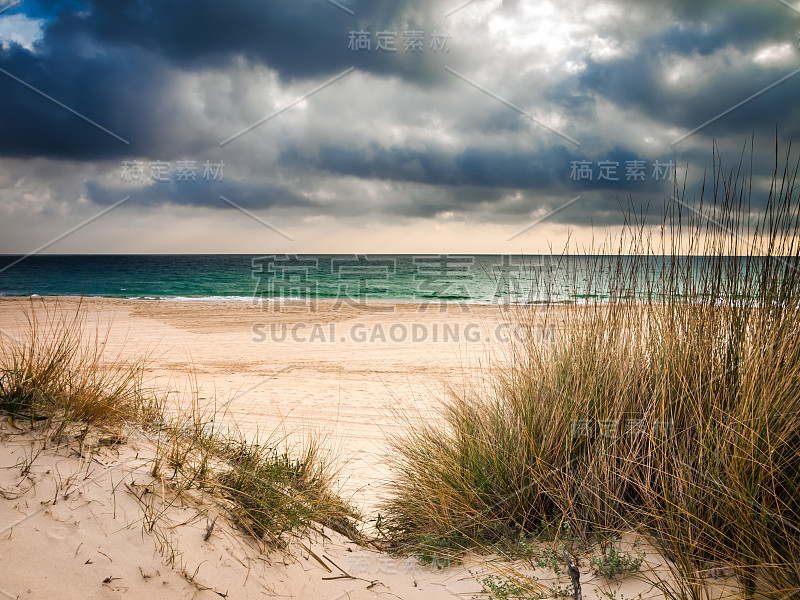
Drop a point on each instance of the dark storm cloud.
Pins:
(301, 36)
(692, 10)
(641, 80)
(472, 166)
(548, 168)
(117, 91)
(202, 194)
(691, 27)
(111, 63)
(737, 27)
(298, 38)
(116, 62)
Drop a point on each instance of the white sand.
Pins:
(77, 526)
(98, 525)
(345, 390)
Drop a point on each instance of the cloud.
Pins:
(399, 139)
(20, 29)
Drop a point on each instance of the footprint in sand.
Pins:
(58, 532)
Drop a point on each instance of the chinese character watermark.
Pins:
(523, 281)
(443, 277)
(285, 280)
(185, 171)
(410, 41)
(608, 170)
(361, 278)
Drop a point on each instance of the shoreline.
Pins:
(291, 300)
(348, 386)
(346, 395)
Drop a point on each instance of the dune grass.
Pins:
(275, 494)
(60, 372)
(60, 378)
(666, 402)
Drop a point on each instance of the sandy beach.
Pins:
(352, 300)
(346, 374)
(342, 372)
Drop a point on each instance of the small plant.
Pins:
(612, 595)
(275, 494)
(567, 537)
(562, 592)
(525, 547)
(60, 380)
(497, 588)
(613, 563)
(548, 559)
(442, 551)
(520, 546)
(60, 373)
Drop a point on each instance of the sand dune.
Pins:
(90, 521)
(345, 387)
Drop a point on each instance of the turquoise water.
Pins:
(350, 278)
(241, 277)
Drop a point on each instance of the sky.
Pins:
(377, 126)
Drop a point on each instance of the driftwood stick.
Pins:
(575, 576)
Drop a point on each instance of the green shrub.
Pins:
(613, 563)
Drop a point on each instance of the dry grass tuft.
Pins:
(667, 401)
(59, 379)
(60, 372)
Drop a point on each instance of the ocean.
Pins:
(451, 278)
(483, 279)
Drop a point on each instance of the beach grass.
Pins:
(60, 372)
(666, 402)
(60, 382)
